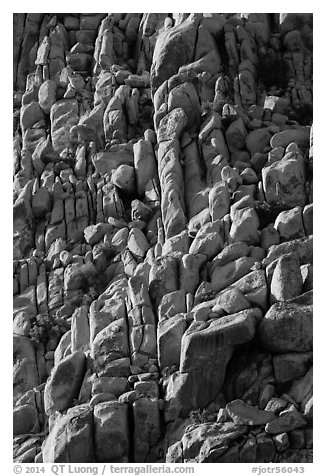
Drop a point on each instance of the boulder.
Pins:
(254, 288)
(104, 311)
(236, 135)
(110, 385)
(171, 304)
(79, 329)
(231, 253)
(301, 393)
(287, 326)
(25, 419)
(303, 247)
(209, 240)
(245, 226)
(205, 443)
(110, 344)
(289, 224)
(64, 383)
(163, 277)
(219, 201)
(244, 414)
(189, 271)
(185, 97)
(300, 136)
(137, 243)
(290, 366)
(47, 95)
(287, 280)
(231, 300)
(166, 56)
(25, 372)
(145, 164)
(63, 116)
(206, 349)
(71, 437)
(169, 335)
(224, 276)
(288, 420)
(176, 243)
(283, 183)
(30, 115)
(111, 432)
(200, 342)
(172, 125)
(257, 140)
(147, 431)
(124, 178)
(307, 216)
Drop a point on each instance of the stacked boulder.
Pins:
(162, 238)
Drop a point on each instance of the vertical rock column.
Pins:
(170, 171)
(142, 341)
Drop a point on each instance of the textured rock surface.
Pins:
(162, 236)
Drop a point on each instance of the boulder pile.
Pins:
(163, 221)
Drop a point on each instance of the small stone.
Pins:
(288, 420)
(307, 277)
(249, 176)
(231, 177)
(276, 405)
(266, 394)
(281, 442)
(307, 216)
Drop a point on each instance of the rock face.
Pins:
(162, 236)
